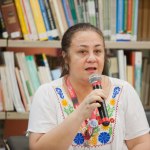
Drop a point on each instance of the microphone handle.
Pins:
(102, 110)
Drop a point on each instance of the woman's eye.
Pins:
(82, 51)
(97, 51)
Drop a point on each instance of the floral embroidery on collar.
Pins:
(101, 134)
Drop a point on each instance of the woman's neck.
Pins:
(81, 88)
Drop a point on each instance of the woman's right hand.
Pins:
(85, 109)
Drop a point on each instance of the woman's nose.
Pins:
(91, 57)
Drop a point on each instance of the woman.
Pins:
(55, 123)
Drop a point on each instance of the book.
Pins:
(100, 9)
(125, 35)
(33, 72)
(80, 10)
(135, 20)
(45, 18)
(77, 11)
(56, 73)
(4, 33)
(97, 14)
(21, 89)
(119, 20)
(21, 19)
(55, 18)
(129, 20)
(87, 11)
(72, 8)
(62, 14)
(138, 72)
(120, 56)
(91, 12)
(11, 19)
(84, 12)
(28, 15)
(1, 100)
(130, 74)
(140, 14)
(113, 20)
(9, 61)
(54, 31)
(38, 20)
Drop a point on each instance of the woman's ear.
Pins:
(64, 55)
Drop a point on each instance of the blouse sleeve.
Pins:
(43, 116)
(135, 119)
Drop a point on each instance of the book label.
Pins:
(15, 34)
(5, 34)
(42, 35)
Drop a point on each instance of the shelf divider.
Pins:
(16, 115)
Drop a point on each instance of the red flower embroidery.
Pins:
(112, 120)
(99, 120)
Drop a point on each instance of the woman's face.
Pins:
(86, 55)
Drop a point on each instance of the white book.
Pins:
(49, 79)
(9, 61)
(120, 56)
(59, 17)
(113, 20)
(25, 89)
(40, 68)
(77, 11)
(30, 19)
(125, 67)
(100, 8)
(5, 88)
(87, 11)
(1, 102)
(84, 12)
(40, 77)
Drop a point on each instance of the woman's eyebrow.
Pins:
(88, 46)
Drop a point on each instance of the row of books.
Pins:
(134, 67)
(119, 20)
(20, 77)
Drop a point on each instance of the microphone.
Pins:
(95, 81)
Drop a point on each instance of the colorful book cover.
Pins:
(125, 36)
(38, 20)
(120, 20)
(45, 18)
(21, 19)
(54, 30)
(129, 20)
(72, 8)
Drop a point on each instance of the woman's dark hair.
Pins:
(67, 39)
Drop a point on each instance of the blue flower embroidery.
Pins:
(104, 137)
(116, 91)
(79, 139)
(59, 91)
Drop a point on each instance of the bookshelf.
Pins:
(57, 44)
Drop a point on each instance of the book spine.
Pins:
(66, 13)
(129, 21)
(77, 11)
(69, 13)
(55, 18)
(11, 19)
(125, 38)
(119, 26)
(21, 19)
(21, 89)
(134, 37)
(80, 10)
(3, 28)
(1, 100)
(97, 14)
(25, 90)
(45, 18)
(100, 4)
(38, 20)
(139, 31)
(138, 72)
(84, 12)
(87, 11)
(54, 31)
(91, 8)
(72, 8)
(113, 20)
(33, 35)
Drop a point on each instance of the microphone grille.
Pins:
(94, 78)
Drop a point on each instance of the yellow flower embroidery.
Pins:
(64, 102)
(112, 102)
(105, 127)
(93, 140)
(80, 129)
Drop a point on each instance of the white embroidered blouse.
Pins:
(51, 106)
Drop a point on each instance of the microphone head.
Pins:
(94, 78)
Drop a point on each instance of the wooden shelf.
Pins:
(23, 43)
(15, 115)
(57, 44)
(2, 115)
(3, 42)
